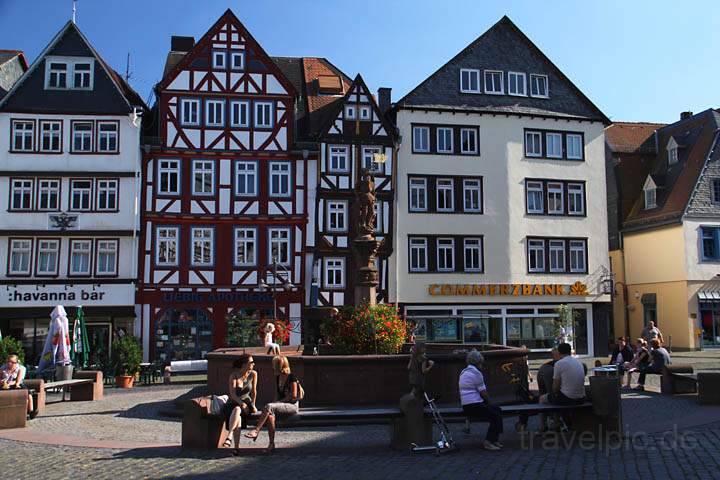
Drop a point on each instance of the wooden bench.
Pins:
(87, 385)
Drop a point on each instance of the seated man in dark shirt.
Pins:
(621, 353)
(659, 358)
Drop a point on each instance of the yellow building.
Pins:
(664, 216)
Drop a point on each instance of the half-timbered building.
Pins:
(225, 202)
(69, 172)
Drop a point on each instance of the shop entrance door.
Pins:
(710, 324)
(99, 338)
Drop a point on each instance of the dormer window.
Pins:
(650, 193)
(539, 86)
(469, 80)
(672, 152)
(68, 73)
(494, 82)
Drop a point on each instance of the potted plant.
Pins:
(126, 358)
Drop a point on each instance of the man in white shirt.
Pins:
(568, 380)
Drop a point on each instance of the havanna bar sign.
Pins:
(577, 289)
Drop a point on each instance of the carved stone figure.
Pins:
(365, 205)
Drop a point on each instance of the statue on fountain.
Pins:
(365, 246)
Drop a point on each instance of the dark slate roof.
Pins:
(696, 136)
(110, 94)
(503, 47)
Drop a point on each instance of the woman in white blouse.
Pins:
(476, 402)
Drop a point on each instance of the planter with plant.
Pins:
(126, 358)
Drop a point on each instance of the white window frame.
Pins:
(530, 137)
(217, 55)
(468, 73)
(233, 66)
(421, 135)
(216, 107)
(338, 159)
(336, 213)
(672, 155)
(165, 169)
(445, 245)
(553, 189)
(494, 74)
(555, 136)
(576, 191)
(190, 107)
(24, 135)
(418, 190)
(80, 247)
(84, 192)
(54, 135)
(26, 188)
(570, 139)
(650, 196)
(47, 187)
(83, 135)
(350, 112)
(69, 72)
(246, 172)
(337, 266)
(281, 240)
(537, 189)
(474, 187)
(108, 136)
(368, 153)
(267, 115)
(250, 246)
(442, 132)
(107, 249)
(470, 245)
(534, 76)
(520, 79)
(578, 247)
(170, 238)
(365, 112)
(50, 248)
(472, 137)
(202, 238)
(49, 71)
(84, 74)
(199, 168)
(111, 188)
(445, 188)
(24, 249)
(536, 249)
(236, 120)
(418, 247)
(280, 170)
(556, 255)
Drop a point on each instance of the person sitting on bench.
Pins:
(659, 358)
(568, 379)
(641, 359)
(621, 354)
(476, 402)
(12, 376)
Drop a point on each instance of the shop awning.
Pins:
(710, 291)
(44, 312)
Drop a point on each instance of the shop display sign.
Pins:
(214, 297)
(69, 295)
(577, 289)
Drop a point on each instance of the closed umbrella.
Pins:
(80, 351)
(57, 344)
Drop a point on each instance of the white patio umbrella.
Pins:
(57, 344)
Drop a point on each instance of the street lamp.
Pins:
(285, 283)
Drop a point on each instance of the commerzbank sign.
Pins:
(577, 289)
(38, 295)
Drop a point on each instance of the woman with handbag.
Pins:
(242, 393)
(287, 401)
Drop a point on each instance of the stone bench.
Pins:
(708, 388)
(677, 378)
(86, 385)
(13, 408)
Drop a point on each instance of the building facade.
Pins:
(69, 170)
(500, 201)
(666, 262)
(225, 197)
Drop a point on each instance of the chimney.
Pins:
(181, 44)
(384, 97)
(684, 115)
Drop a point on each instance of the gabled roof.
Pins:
(110, 94)
(632, 137)
(227, 17)
(696, 136)
(503, 47)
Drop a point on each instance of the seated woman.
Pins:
(273, 348)
(641, 358)
(12, 376)
(476, 402)
(242, 392)
(286, 404)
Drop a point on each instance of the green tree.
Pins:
(242, 331)
(8, 346)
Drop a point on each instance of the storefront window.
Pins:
(445, 329)
(710, 323)
(183, 335)
(533, 332)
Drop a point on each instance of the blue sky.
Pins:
(637, 60)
